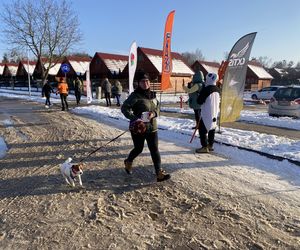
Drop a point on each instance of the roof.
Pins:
(281, 71)
(13, 68)
(179, 66)
(79, 64)
(29, 66)
(53, 70)
(260, 72)
(211, 67)
(2, 65)
(114, 63)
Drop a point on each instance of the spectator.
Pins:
(63, 91)
(78, 87)
(106, 85)
(46, 91)
(193, 89)
(210, 100)
(117, 91)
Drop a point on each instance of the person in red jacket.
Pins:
(63, 90)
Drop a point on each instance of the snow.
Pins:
(260, 72)
(179, 130)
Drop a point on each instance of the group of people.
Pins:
(112, 91)
(142, 109)
(204, 99)
(63, 90)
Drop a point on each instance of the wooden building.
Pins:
(24, 68)
(107, 65)
(10, 70)
(53, 71)
(2, 66)
(257, 77)
(206, 67)
(78, 66)
(150, 61)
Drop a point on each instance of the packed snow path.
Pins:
(211, 202)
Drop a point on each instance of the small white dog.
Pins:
(71, 171)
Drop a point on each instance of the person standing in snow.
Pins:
(117, 91)
(78, 87)
(210, 100)
(106, 85)
(193, 89)
(142, 108)
(63, 91)
(46, 91)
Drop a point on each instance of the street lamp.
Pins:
(28, 73)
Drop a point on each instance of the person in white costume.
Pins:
(210, 100)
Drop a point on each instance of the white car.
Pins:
(264, 93)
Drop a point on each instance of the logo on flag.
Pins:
(167, 61)
(132, 59)
(238, 59)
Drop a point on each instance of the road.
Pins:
(211, 201)
(283, 132)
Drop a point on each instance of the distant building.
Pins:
(2, 66)
(78, 66)
(53, 71)
(206, 67)
(10, 70)
(257, 77)
(285, 76)
(107, 65)
(150, 61)
(24, 68)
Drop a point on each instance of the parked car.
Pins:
(285, 102)
(264, 93)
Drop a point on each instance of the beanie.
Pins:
(141, 75)
(198, 77)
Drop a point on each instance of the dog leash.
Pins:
(94, 151)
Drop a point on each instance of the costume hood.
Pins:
(211, 79)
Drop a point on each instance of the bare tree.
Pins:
(48, 28)
(191, 57)
(265, 61)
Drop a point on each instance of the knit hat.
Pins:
(141, 75)
(198, 77)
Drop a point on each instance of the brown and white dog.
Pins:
(71, 172)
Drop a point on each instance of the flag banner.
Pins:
(166, 57)
(132, 61)
(88, 87)
(234, 79)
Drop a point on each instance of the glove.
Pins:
(137, 126)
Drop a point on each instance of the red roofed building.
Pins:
(150, 61)
(107, 65)
(78, 66)
(206, 67)
(10, 70)
(24, 68)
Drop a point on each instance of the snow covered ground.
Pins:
(171, 128)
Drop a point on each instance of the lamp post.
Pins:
(28, 73)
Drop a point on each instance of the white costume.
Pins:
(211, 107)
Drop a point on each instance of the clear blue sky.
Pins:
(213, 26)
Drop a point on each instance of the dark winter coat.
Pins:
(47, 89)
(138, 102)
